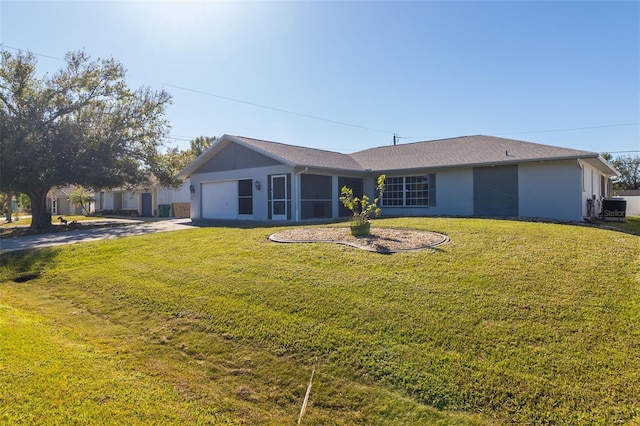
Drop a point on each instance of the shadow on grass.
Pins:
(7, 232)
(24, 266)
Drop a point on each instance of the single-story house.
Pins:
(145, 201)
(485, 176)
(58, 202)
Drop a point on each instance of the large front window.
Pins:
(406, 191)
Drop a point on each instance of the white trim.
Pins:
(279, 200)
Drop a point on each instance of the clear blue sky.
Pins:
(559, 73)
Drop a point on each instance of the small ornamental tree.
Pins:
(81, 198)
(361, 208)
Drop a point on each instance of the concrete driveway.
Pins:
(119, 228)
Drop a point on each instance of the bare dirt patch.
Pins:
(381, 240)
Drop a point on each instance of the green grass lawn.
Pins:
(630, 225)
(510, 322)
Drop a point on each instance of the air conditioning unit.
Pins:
(614, 209)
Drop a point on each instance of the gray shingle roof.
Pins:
(454, 152)
(461, 151)
(302, 156)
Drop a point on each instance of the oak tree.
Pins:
(82, 126)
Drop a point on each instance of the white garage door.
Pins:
(220, 200)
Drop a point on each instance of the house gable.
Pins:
(236, 157)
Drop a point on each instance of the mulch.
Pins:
(381, 240)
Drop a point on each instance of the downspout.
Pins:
(581, 167)
(299, 200)
(584, 211)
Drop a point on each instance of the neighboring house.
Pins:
(632, 196)
(58, 202)
(147, 201)
(243, 178)
(176, 199)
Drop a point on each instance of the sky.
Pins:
(348, 75)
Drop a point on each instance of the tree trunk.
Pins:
(40, 212)
(8, 212)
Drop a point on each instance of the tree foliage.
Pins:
(361, 208)
(80, 126)
(629, 168)
(200, 144)
(174, 160)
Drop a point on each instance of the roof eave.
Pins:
(602, 165)
(317, 168)
(487, 164)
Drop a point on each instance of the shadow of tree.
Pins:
(25, 265)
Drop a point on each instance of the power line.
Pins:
(227, 98)
(32, 52)
(313, 117)
(180, 138)
(299, 114)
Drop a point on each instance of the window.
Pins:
(416, 190)
(393, 193)
(245, 196)
(406, 191)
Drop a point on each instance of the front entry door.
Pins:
(147, 209)
(279, 197)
